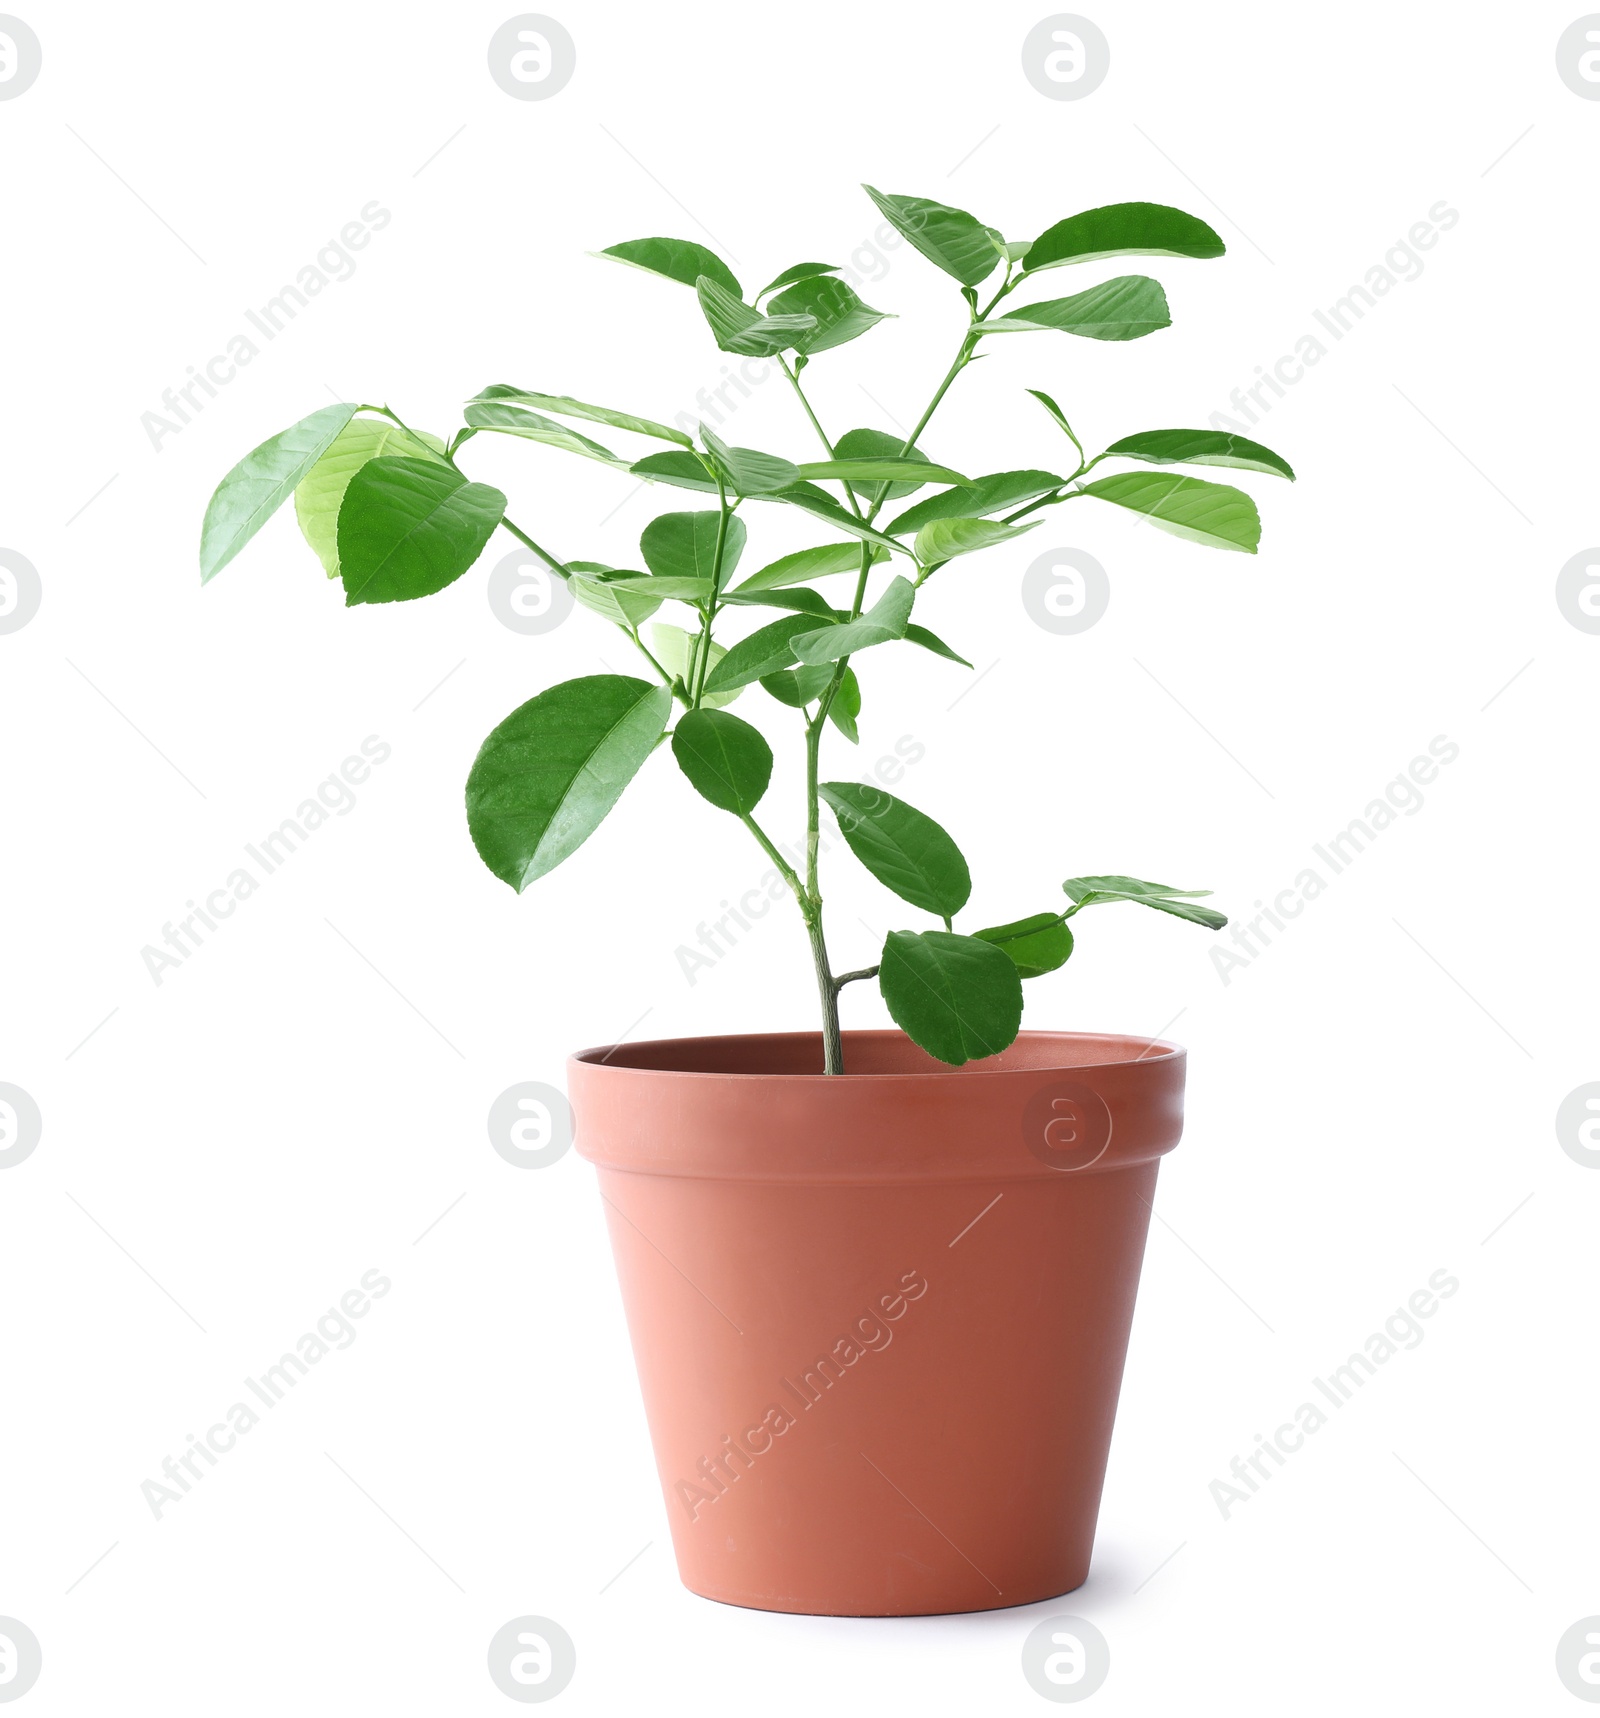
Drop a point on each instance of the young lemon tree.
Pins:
(393, 515)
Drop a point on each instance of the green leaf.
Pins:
(883, 622)
(319, 493)
(1126, 308)
(799, 600)
(808, 564)
(679, 653)
(846, 707)
(1037, 944)
(838, 311)
(1123, 229)
(1209, 513)
(879, 444)
(747, 471)
(684, 545)
(678, 259)
(961, 245)
(762, 653)
(1060, 417)
(684, 470)
(901, 846)
(508, 419)
(1200, 447)
(628, 607)
(854, 471)
(944, 539)
(726, 759)
(822, 506)
(564, 406)
(261, 482)
(547, 776)
(798, 687)
(976, 499)
(960, 998)
(738, 328)
(931, 641)
(800, 271)
(1091, 891)
(409, 527)
(694, 591)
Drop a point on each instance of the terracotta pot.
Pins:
(879, 1319)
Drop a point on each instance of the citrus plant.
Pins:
(393, 516)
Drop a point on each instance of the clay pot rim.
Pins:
(608, 1058)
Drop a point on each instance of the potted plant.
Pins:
(879, 1283)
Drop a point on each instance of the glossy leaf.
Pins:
(409, 527)
(798, 687)
(1036, 945)
(808, 564)
(1126, 308)
(726, 759)
(1201, 447)
(679, 653)
(960, 998)
(678, 259)
(800, 271)
(747, 471)
(974, 500)
(821, 505)
(944, 539)
(763, 652)
(684, 470)
(626, 607)
(901, 846)
(546, 777)
(879, 444)
(261, 482)
(931, 641)
(694, 591)
(1209, 513)
(684, 545)
(884, 622)
(838, 311)
(1123, 229)
(856, 471)
(564, 406)
(320, 492)
(957, 242)
(1091, 891)
(799, 599)
(508, 419)
(846, 707)
(738, 328)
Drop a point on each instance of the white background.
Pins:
(1371, 1099)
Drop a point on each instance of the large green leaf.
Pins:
(960, 244)
(509, 419)
(806, 564)
(261, 482)
(614, 594)
(1209, 513)
(884, 622)
(748, 471)
(840, 315)
(944, 539)
(547, 776)
(726, 759)
(679, 653)
(1123, 229)
(976, 499)
(799, 271)
(684, 470)
(798, 687)
(820, 505)
(901, 846)
(1037, 944)
(931, 641)
(695, 591)
(763, 652)
(738, 328)
(1126, 308)
(879, 444)
(409, 527)
(1201, 447)
(678, 259)
(856, 471)
(846, 706)
(959, 997)
(1091, 891)
(320, 492)
(684, 545)
(564, 406)
(799, 599)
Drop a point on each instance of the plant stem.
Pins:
(828, 994)
(701, 666)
